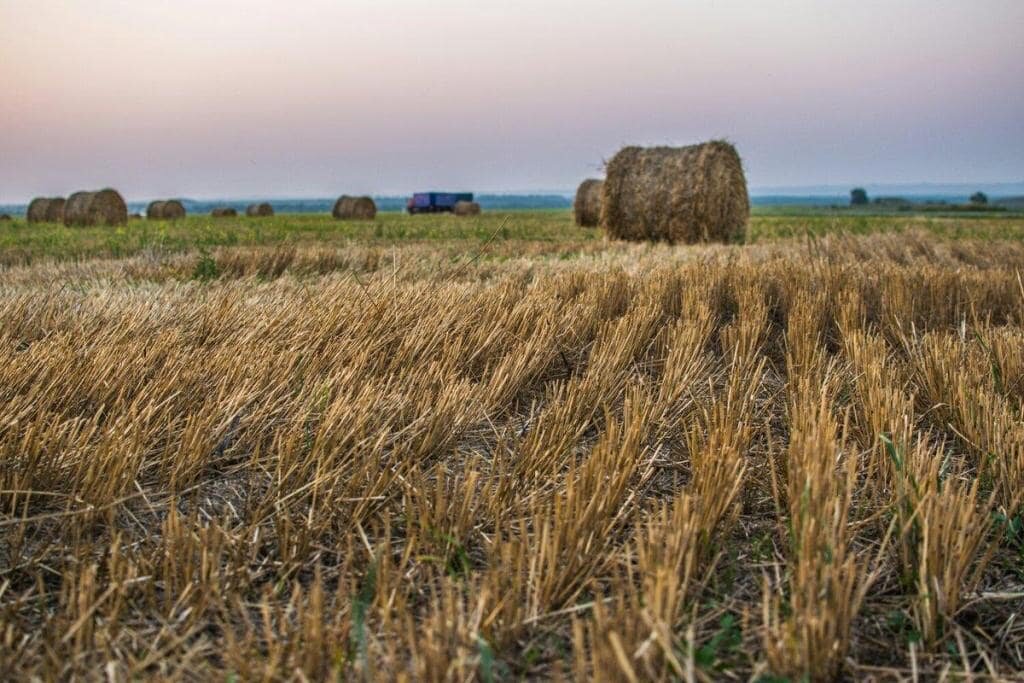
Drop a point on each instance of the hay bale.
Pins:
(261, 209)
(46, 210)
(167, 210)
(105, 207)
(587, 206)
(155, 210)
(223, 212)
(342, 206)
(37, 210)
(677, 194)
(354, 208)
(5, 217)
(135, 217)
(463, 208)
(55, 210)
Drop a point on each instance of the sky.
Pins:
(309, 98)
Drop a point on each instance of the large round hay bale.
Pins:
(46, 210)
(261, 209)
(677, 194)
(354, 208)
(464, 208)
(166, 210)
(587, 206)
(105, 207)
(223, 212)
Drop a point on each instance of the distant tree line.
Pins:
(859, 197)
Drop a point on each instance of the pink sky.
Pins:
(215, 98)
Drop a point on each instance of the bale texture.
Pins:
(223, 212)
(168, 210)
(261, 209)
(37, 210)
(587, 206)
(466, 209)
(354, 208)
(105, 207)
(46, 210)
(55, 210)
(676, 194)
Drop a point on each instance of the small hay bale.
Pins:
(46, 210)
(5, 217)
(354, 208)
(167, 210)
(155, 210)
(463, 208)
(587, 206)
(135, 216)
(261, 209)
(223, 212)
(105, 207)
(676, 194)
(37, 210)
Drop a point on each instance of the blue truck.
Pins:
(436, 202)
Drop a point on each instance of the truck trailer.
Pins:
(436, 202)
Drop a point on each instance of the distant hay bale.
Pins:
(463, 208)
(261, 209)
(46, 210)
(167, 210)
(354, 208)
(135, 216)
(5, 217)
(676, 194)
(37, 210)
(587, 206)
(223, 212)
(105, 207)
(55, 210)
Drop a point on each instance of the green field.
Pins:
(21, 243)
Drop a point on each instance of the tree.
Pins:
(979, 198)
(858, 196)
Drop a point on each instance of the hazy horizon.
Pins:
(306, 99)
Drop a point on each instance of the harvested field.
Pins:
(442, 459)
